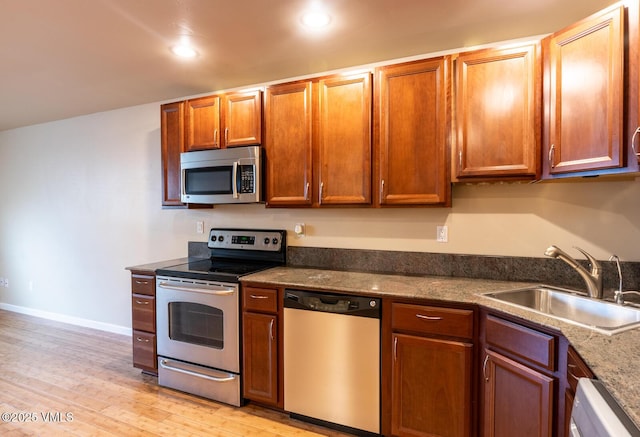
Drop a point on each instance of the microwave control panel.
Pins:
(247, 179)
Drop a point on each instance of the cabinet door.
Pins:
(243, 119)
(517, 400)
(288, 144)
(431, 387)
(412, 117)
(344, 140)
(172, 141)
(585, 70)
(203, 123)
(260, 355)
(498, 95)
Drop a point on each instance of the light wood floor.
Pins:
(51, 371)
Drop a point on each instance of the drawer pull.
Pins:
(258, 296)
(140, 339)
(142, 282)
(142, 302)
(424, 317)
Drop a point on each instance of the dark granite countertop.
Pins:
(615, 360)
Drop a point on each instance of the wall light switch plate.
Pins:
(442, 234)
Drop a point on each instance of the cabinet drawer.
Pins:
(533, 346)
(143, 312)
(144, 350)
(432, 320)
(260, 299)
(576, 368)
(143, 284)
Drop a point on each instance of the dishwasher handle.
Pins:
(332, 303)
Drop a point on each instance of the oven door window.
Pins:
(196, 324)
(209, 180)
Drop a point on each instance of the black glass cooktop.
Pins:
(216, 269)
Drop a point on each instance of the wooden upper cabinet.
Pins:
(202, 123)
(344, 140)
(230, 120)
(584, 95)
(242, 119)
(172, 143)
(412, 119)
(498, 98)
(288, 144)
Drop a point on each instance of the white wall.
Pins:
(80, 201)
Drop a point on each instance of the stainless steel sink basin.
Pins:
(565, 305)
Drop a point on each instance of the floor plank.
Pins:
(60, 379)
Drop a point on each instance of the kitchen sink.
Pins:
(563, 304)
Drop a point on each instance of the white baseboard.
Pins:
(116, 329)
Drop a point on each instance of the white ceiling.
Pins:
(63, 58)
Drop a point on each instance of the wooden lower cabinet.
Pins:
(143, 321)
(517, 399)
(430, 359)
(576, 368)
(431, 387)
(262, 345)
(260, 357)
(520, 377)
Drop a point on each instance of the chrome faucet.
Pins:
(592, 278)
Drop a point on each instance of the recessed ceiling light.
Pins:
(316, 19)
(184, 51)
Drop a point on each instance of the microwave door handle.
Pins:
(183, 184)
(234, 177)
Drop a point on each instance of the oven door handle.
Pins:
(164, 365)
(218, 290)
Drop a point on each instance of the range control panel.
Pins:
(246, 239)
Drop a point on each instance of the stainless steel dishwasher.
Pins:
(332, 359)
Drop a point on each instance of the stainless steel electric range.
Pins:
(198, 312)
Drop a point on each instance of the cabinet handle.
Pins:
(215, 138)
(320, 194)
(140, 339)
(395, 349)
(460, 160)
(257, 296)
(271, 330)
(226, 136)
(633, 142)
(142, 282)
(381, 190)
(484, 368)
(306, 191)
(552, 155)
(424, 317)
(142, 302)
(570, 367)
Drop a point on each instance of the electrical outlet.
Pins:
(442, 234)
(1, 282)
(6, 283)
(200, 227)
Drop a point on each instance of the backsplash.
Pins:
(505, 268)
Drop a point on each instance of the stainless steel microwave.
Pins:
(217, 176)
